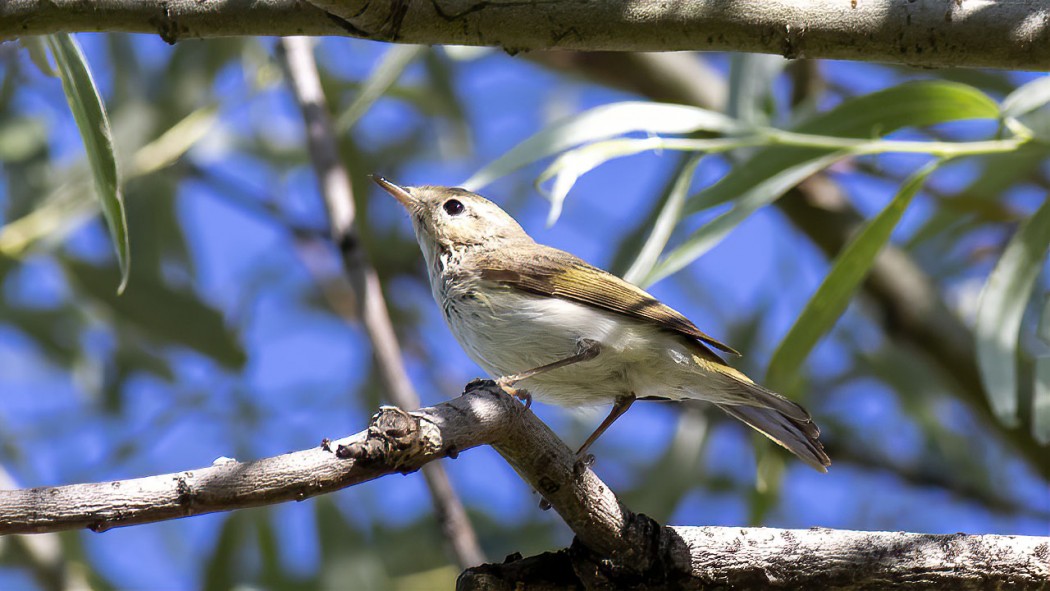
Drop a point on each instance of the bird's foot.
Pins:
(507, 383)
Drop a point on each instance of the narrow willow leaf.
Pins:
(90, 115)
(751, 78)
(1001, 308)
(665, 223)
(1041, 401)
(834, 294)
(173, 143)
(604, 122)
(1027, 97)
(384, 75)
(570, 166)
(912, 104)
(709, 235)
(1041, 388)
(37, 49)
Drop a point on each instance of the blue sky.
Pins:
(305, 365)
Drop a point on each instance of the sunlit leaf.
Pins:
(36, 47)
(174, 143)
(90, 115)
(571, 165)
(1041, 401)
(1027, 98)
(162, 312)
(664, 224)
(384, 75)
(835, 292)
(601, 123)
(913, 104)
(1002, 305)
(1041, 388)
(708, 236)
(751, 78)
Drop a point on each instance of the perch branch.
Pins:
(614, 547)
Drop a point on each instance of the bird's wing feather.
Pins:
(543, 271)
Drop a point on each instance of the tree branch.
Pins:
(614, 547)
(1012, 35)
(816, 558)
(305, 81)
(394, 442)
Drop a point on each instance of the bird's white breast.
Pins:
(507, 331)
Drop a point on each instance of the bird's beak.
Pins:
(400, 193)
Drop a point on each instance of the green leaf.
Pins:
(570, 166)
(772, 171)
(1001, 308)
(604, 122)
(166, 314)
(384, 75)
(838, 287)
(664, 224)
(907, 105)
(1041, 401)
(1027, 97)
(1041, 389)
(37, 49)
(90, 115)
(709, 235)
(751, 77)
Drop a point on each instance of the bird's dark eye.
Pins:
(453, 207)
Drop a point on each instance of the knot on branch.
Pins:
(393, 440)
(658, 558)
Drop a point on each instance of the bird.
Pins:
(544, 324)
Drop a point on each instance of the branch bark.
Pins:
(614, 547)
(1012, 35)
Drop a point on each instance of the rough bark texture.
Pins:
(927, 33)
(768, 558)
(395, 441)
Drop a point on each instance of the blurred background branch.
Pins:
(297, 56)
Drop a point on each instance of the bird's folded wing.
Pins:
(543, 270)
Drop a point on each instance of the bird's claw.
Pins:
(507, 384)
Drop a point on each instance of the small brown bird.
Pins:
(572, 334)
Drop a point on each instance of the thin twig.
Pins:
(297, 53)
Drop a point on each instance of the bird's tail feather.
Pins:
(799, 436)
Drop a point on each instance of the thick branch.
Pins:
(395, 442)
(930, 34)
(768, 558)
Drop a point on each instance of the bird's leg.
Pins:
(619, 407)
(586, 349)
